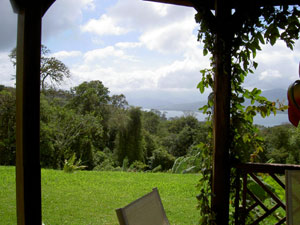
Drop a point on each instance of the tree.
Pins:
(130, 141)
(182, 135)
(118, 101)
(65, 133)
(90, 97)
(53, 71)
(7, 126)
(151, 122)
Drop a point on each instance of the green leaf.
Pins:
(261, 38)
(255, 64)
(201, 87)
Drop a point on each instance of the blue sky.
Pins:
(148, 51)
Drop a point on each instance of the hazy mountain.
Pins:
(192, 106)
(154, 99)
(272, 95)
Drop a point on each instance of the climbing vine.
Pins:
(251, 27)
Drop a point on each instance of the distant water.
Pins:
(269, 121)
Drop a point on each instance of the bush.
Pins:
(71, 164)
(161, 157)
(187, 164)
(106, 165)
(157, 169)
(137, 166)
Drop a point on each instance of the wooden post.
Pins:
(28, 173)
(222, 92)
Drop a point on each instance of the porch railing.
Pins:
(252, 208)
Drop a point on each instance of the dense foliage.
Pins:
(127, 136)
(100, 131)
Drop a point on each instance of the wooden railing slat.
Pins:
(266, 167)
(268, 190)
(277, 180)
(281, 221)
(271, 169)
(266, 215)
(257, 200)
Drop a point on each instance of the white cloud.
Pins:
(277, 67)
(142, 15)
(65, 54)
(107, 52)
(267, 74)
(174, 37)
(105, 25)
(161, 27)
(116, 69)
(6, 70)
(127, 45)
(64, 15)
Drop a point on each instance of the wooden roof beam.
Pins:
(173, 2)
(19, 5)
(233, 3)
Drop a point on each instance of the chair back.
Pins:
(292, 196)
(147, 210)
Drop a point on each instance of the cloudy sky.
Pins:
(148, 51)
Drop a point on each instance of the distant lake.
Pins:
(269, 121)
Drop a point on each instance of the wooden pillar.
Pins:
(222, 92)
(28, 173)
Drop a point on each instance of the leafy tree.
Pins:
(162, 158)
(281, 144)
(90, 97)
(65, 132)
(130, 141)
(182, 135)
(277, 143)
(117, 120)
(7, 126)
(118, 101)
(53, 71)
(151, 122)
(151, 143)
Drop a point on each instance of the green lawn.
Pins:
(90, 197)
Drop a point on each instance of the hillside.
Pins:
(272, 95)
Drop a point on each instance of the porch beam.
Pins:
(221, 117)
(28, 171)
(232, 4)
(19, 5)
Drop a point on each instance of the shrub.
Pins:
(187, 164)
(161, 157)
(105, 166)
(71, 165)
(137, 166)
(157, 169)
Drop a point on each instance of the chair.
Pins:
(147, 210)
(292, 197)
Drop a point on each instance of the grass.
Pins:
(91, 197)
